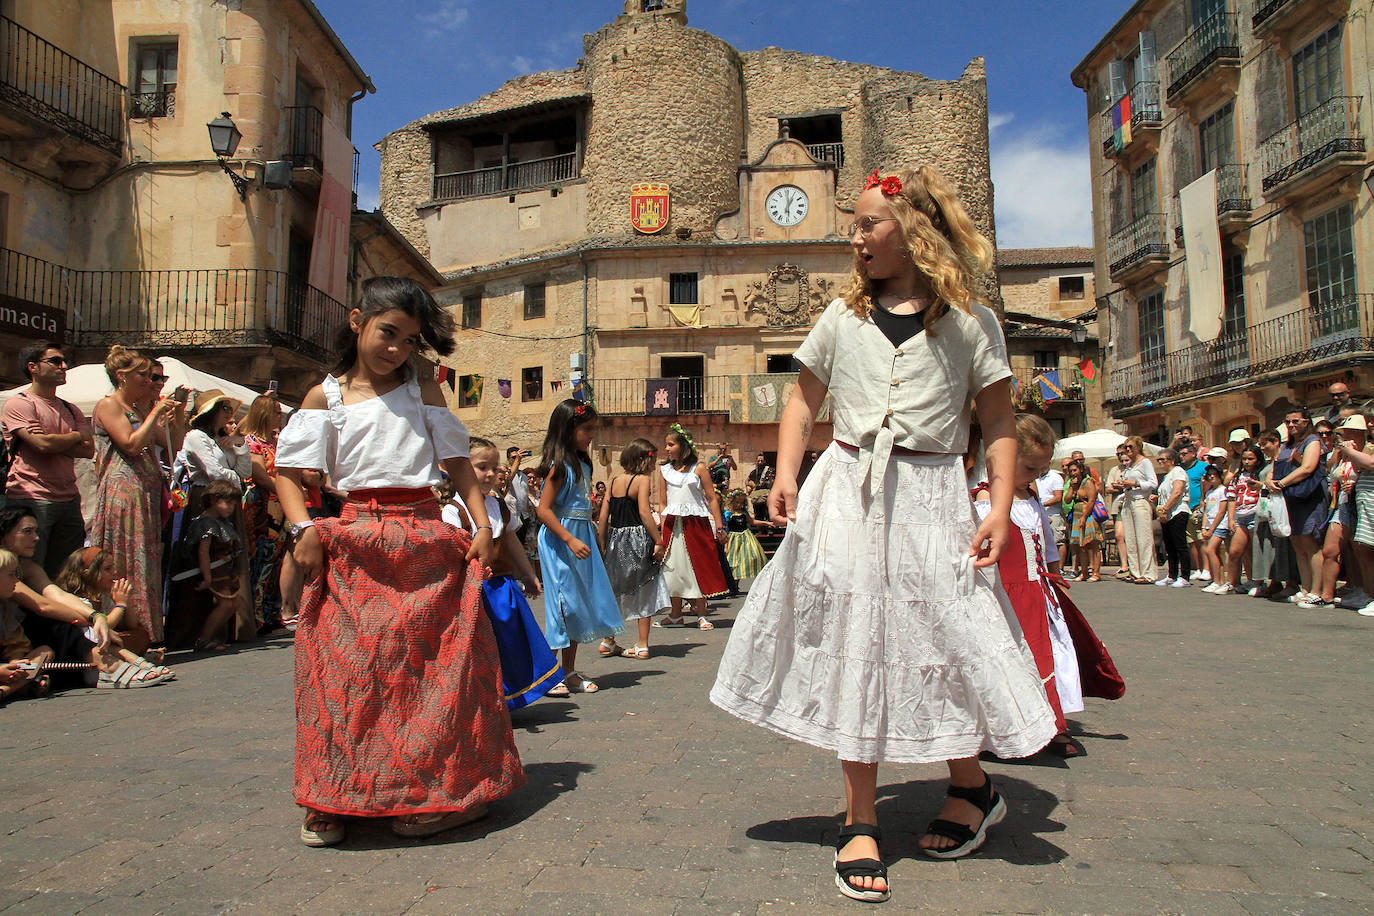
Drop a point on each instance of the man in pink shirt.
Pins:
(46, 435)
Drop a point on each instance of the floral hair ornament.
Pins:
(891, 186)
(683, 434)
(580, 410)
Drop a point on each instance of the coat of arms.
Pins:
(649, 207)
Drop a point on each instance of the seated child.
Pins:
(89, 574)
(15, 649)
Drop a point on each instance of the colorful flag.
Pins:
(1087, 370)
(1121, 123)
(503, 386)
(556, 385)
(442, 374)
(1049, 386)
(577, 390)
(1015, 389)
(474, 389)
(660, 397)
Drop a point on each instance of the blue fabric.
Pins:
(579, 605)
(528, 666)
(1195, 473)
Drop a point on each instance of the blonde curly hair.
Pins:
(947, 248)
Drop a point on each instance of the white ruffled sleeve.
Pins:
(447, 432)
(307, 442)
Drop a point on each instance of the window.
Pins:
(1217, 138)
(155, 80)
(1150, 314)
(1330, 251)
(1206, 9)
(682, 289)
(534, 301)
(691, 386)
(467, 392)
(532, 383)
(648, 6)
(1144, 192)
(1046, 359)
(782, 362)
(1072, 287)
(1233, 288)
(1317, 73)
(472, 311)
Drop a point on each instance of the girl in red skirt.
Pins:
(692, 523)
(398, 685)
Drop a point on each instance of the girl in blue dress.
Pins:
(579, 604)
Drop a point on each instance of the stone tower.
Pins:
(668, 107)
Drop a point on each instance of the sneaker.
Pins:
(1300, 596)
(1367, 610)
(1198, 575)
(1210, 589)
(1254, 591)
(1222, 590)
(1355, 598)
(1180, 582)
(1316, 603)
(1166, 581)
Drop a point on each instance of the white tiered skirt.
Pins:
(871, 634)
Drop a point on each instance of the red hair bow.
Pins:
(891, 186)
(580, 409)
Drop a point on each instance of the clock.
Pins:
(787, 205)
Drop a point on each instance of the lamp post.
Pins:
(224, 141)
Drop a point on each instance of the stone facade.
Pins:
(531, 185)
(118, 215)
(1271, 96)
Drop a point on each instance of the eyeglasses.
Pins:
(865, 226)
(157, 378)
(1326, 432)
(55, 361)
(1340, 394)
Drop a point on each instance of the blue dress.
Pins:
(579, 605)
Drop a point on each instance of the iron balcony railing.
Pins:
(1233, 195)
(159, 104)
(1265, 10)
(511, 177)
(305, 141)
(1332, 128)
(1216, 38)
(628, 396)
(827, 152)
(1331, 328)
(49, 83)
(153, 309)
(1146, 113)
(1142, 239)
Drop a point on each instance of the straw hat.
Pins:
(1354, 421)
(210, 399)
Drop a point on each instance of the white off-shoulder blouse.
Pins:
(394, 440)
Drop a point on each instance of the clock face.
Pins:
(787, 205)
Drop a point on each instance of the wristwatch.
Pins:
(299, 527)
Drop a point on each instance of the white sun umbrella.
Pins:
(1096, 444)
(88, 384)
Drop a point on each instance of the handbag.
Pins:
(1100, 513)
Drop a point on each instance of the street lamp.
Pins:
(224, 141)
(1080, 334)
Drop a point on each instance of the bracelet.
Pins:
(117, 607)
(480, 527)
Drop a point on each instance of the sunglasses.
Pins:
(865, 226)
(55, 361)
(157, 378)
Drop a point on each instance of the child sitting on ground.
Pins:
(16, 651)
(89, 574)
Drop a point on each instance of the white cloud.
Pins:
(522, 64)
(367, 194)
(998, 120)
(1042, 186)
(446, 17)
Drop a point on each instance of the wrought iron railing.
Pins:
(827, 152)
(1146, 112)
(154, 309)
(496, 179)
(1330, 129)
(1070, 382)
(1264, 10)
(1216, 38)
(48, 82)
(305, 140)
(1142, 239)
(628, 396)
(159, 104)
(1233, 195)
(1331, 328)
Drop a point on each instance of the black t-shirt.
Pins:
(898, 328)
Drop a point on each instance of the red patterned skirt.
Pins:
(398, 680)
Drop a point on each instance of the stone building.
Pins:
(117, 220)
(1051, 328)
(1248, 116)
(669, 208)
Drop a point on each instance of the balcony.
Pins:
(827, 152)
(1208, 57)
(161, 104)
(1233, 200)
(42, 87)
(1328, 142)
(305, 137)
(500, 179)
(1147, 118)
(1029, 389)
(168, 309)
(1138, 250)
(1281, 18)
(1280, 347)
(627, 397)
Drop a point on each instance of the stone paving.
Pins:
(1233, 777)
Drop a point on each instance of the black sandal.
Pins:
(859, 868)
(984, 799)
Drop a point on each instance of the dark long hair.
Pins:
(559, 447)
(381, 294)
(11, 516)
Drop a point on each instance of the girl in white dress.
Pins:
(878, 630)
(691, 522)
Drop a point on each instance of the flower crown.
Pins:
(891, 185)
(683, 434)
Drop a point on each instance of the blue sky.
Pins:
(425, 55)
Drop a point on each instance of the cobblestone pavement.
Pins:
(1234, 777)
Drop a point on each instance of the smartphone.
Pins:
(181, 394)
(526, 453)
(272, 386)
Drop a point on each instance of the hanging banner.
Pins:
(1050, 389)
(503, 386)
(649, 207)
(1087, 370)
(689, 316)
(660, 397)
(1202, 241)
(474, 389)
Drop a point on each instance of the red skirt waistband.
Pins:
(393, 496)
(896, 450)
